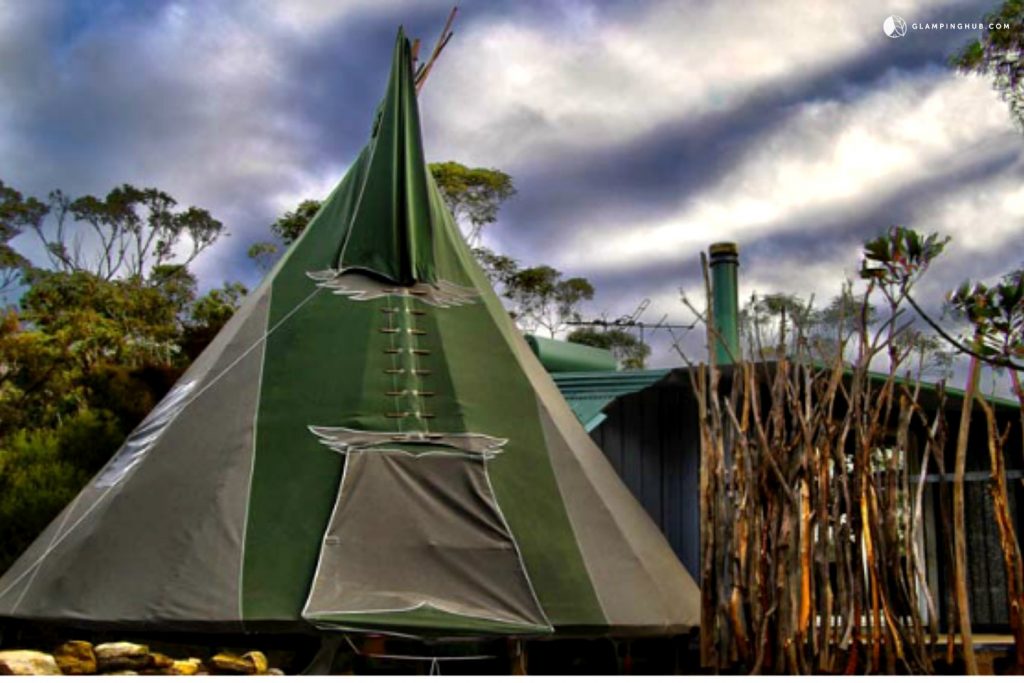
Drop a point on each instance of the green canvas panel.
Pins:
(390, 232)
(327, 365)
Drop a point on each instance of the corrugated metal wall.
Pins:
(652, 440)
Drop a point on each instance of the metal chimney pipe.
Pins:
(725, 262)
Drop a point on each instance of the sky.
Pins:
(637, 133)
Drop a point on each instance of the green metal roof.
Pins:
(589, 393)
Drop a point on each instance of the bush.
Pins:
(36, 483)
(41, 470)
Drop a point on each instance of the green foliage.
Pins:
(996, 314)
(126, 394)
(209, 314)
(217, 306)
(630, 352)
(42, 469)
(126, 234)
(16, 214)
(998, 55)
(97, 320)
(290, 224)
(264, 254)
(769, 320)
(537, 297)
(37, 483)
(897, 259)
(500, 269)
(541, 298)
(88, 439)
(472, 194)
(176, 284)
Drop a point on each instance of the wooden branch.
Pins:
(959, 527)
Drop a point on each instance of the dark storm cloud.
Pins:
(781, 259)
(647, 178)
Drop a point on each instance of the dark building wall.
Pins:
(987, 588)
(652, 440)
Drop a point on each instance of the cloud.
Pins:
(830, 155)
(536, 89)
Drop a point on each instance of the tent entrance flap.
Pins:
(417, 543)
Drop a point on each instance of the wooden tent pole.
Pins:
(517, 657)
(442, 40)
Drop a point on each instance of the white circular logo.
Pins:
(894, 26)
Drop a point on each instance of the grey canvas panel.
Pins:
(640, 583)
(620, 543)
(409, 532)
(143, 543)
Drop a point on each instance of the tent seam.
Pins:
(252, 469)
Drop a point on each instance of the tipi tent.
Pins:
(369, 444)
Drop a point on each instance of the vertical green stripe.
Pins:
(326, 366)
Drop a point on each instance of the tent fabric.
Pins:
(442, 534)
(370, 445)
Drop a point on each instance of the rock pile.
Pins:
(78, 658)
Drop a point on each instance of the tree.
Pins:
(291, 224)
(997, 55)
(996, 315)
(264, 254)
(630, 352)
(209, 314)
(473, 195)
(498, 268)
(541, 299)
(129, 232)
(771, 319)
(16, 214)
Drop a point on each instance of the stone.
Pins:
(251, 663)
(273, 671)
(159, 661)
(27, 663)
(75, 658)
(186, 667)
(232, 664)
(259, 660)
(122, 655)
